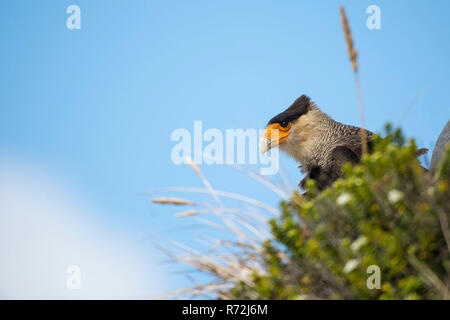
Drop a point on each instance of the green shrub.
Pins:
(386, 211)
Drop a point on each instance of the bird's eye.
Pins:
(284, 124)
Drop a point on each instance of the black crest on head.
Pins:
(295, 111)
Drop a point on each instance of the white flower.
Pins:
(244, 274)
(395, 196)
(351, 265)
(343, 199)
(358, 243)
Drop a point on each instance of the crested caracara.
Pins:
(311, 137)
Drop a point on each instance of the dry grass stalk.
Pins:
(361, 114)
(412, 103)
(354, 61)
(349, 39)
(204, 180)
(226, 194)
(175, 201)
(187, 213)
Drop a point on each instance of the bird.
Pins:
(321, 144)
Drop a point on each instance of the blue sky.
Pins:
(96, 107)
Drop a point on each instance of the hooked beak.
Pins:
(273, 136)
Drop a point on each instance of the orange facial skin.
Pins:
(276, 133)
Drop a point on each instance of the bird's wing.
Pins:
(339, 156)
(342, 154)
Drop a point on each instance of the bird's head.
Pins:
(282, 127)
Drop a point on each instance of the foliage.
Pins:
(386, 211)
